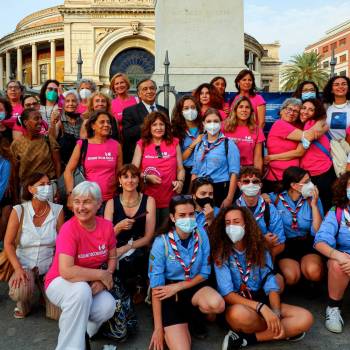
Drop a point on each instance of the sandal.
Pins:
(18, 313)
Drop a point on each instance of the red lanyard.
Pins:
(243, 289)
(293, 212)
(173, 245)
(261, 211)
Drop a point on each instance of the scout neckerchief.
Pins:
(347, 217)
(190, 135)
(208, 147)
(261, 211)
(173, 245)
(293, 212)
(243, 289)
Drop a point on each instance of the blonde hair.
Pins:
(90, 103)
(230, 124)
(119, 75)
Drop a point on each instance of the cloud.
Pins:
(295, 25)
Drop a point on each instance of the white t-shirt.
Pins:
(338, 120)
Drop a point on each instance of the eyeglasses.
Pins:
(52, 89)
(159, 152)
(203, 180)
(253, 181)
(28, 105)
(292, 111)
(13, 87)
(181, 197)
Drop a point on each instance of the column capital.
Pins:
(18, 47)
(52, 40)
(33, 43)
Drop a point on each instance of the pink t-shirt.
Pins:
(256, 101)
(164, 167)
(246, 142)
(101, 166)
(277, 142)
(81, 108)
(16, 112)
(315, 161)
(89, 249)
(118, 106)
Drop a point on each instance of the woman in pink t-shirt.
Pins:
(102, 160)
(77, 281)
(120, 86)
(207, 96)
(14, 94)
(283, 141)
(220, 83)
(159, 157)
(245, 85)
(240, 126)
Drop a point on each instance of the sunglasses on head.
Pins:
(181, 197)
(159, 152)
(253, 181)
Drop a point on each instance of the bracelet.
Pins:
(259, 307)
(190, 148)
(112, 257)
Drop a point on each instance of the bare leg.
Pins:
(337, 280)
(290, 270)
(178, 337)
(209, 301)
(312, 267)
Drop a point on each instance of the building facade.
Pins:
(113, 35)
(336, 40)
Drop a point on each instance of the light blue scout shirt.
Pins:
(304, 216)
(163, 264)
(200, 216)
(215, 164)
(5, 171)
(229, 278)
(276, 224)
(328, 232)
(186, 142)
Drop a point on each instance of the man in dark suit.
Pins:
(133, 116)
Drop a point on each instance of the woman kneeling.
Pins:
(178, 269)
(76, 282)
(245, 279)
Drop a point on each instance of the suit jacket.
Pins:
(132, 121)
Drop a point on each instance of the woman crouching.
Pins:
(244, 274)
(178, 269)
(75, 282)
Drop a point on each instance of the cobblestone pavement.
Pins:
(38, 333)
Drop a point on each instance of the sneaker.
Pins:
(233, 341)
(297, 337)
(334, 321)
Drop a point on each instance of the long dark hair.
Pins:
(297, 93)
(42, 95)
(216, 101)
(178, 122)
(339, 187)
(240, 76)
(328, 95)
(221, 245)
(320, 112)
(292, 174)
(146, 134)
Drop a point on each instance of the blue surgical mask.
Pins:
(348, 193)
(308, 95)
(186, 225)
(2, 116)
(51, 96)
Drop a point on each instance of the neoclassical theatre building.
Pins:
(113, 35)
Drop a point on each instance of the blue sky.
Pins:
(295, 23)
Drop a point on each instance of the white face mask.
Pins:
(235, 232)
(212, 128)
(190, 114)
(44, 193)
(306, 190)
(84, 93)
(250, 190)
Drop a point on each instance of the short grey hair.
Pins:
(88, 188)
(72, 92)
(291, 101)
(88, 81)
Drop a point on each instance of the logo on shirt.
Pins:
(102, 250)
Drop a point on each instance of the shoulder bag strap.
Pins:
(19, 231)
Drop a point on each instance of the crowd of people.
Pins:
(111, 202)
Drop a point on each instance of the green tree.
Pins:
(306, 66)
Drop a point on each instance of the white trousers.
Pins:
(81, 311)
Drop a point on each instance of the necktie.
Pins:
(153, 108)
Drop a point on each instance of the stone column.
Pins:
(19, 64)
(8, 66)
(34, 64)
(53, 59)
(1, 72)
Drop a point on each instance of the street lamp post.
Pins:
(80, 64)
(333, 63)
(250, 62)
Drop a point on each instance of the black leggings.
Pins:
(220, 192)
